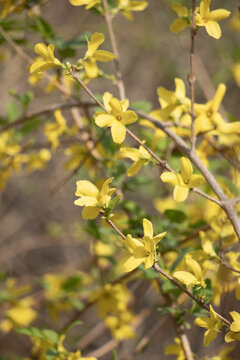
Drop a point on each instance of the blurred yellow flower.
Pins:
(127, 6)
(54, 130)
(140, 157)
(89, 3)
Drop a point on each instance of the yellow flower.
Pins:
(175, 350)
(92, 199)
(141, 250)
(140, 157)
(193, 274)
(37, 161)
(77, 356)
(119, 325)
(21, 314)
(93, 55)
(54, 130)
(89, 3)
(212, 325)
(234, 333)
(173, 103)
(207, 115)
(47, 59)
(184, 19)
(117, 118)
(182, 181)
(111, 299)
(126, 6)
(210, 19)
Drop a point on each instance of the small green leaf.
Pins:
(114, 355)
(44, 28)
(176, 216)
(52, 354)
(12, 111)
(142, 105)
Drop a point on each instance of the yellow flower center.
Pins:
(119, 117)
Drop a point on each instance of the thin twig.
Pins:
(108, 20)
(48, 110)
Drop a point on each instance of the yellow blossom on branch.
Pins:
(54, 130)
(93, 199)
(46, 60)
(192, 274)
(212, 324)
(184, 19)
(141, 251)
(117, 118)
(120, 325)
(182, 181)
(175, 349)
(140, 157)
(127, 6)
(234, 333)
(210, 19)
(93, 55)
(89, 3)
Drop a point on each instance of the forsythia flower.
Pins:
(89, 3)
(234, 333)
(93, 55)
(119, 325)
(210, 19)
(184, 19)
(175, 350)
(207, 115)
(38, 160)
(141, 250)
(117, 117)
(182, 181)
(140, 157)
(47, 59)
(54, 130)
(92, 199)
(193, 274)
(212, 325)
(126, 6)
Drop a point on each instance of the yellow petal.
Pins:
(186, 169)
(137, 5)
(96, 40)
(101, 55)
(180, 88)
(204, 8)
(86, 188)
(131, 243)
(131, 263)
(147, 228)
(235, 326)
(129, 117)
(134, 169)
(91, 68)
(180, 193)
(149, 261)
(90, 212)
(118, 131)
(86, 200)
(104, 120)
(209, 336)
(196, 180)
(170, 178)
(216, 101)
(130, 153)
(219, 14)
(213, 29)
(178, 25)
(42, 50)
(179, 9)
(186, 278)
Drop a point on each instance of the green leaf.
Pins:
(142, 105)
(44, 28)
(52, 354)
(26, 99)
(114, 355)
(31, 125)
(149, 273)
(74, 323)
(12, 111)
(50, 335)
(176, 216)
(43, 334)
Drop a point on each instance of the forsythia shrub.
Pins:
(186, 155)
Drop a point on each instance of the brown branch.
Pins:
(182, 145)
(108, 20)
(48, 110)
